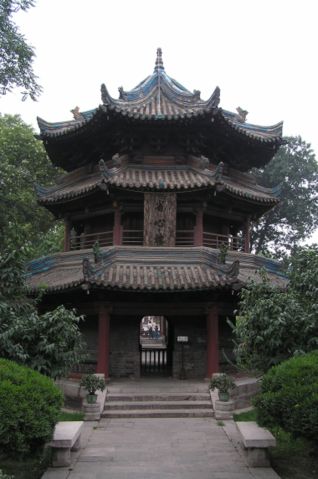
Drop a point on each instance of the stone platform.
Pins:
(159, 448)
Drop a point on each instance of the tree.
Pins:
(50, 343)
(295, 218)
(24, 163)
(273, 324)
(15, 54)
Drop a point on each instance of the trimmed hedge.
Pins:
(289, 396)
(3, 475)
(29, 407)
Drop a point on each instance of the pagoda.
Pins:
(157, 200)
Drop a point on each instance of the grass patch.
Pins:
(246, 416)
(71, 416)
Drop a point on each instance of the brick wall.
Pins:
(124, 346)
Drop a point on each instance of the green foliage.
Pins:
(51, 342)
(29, 408)
(289, 396)
(223, 382)
(272, 324)
(223, 253)
(24, 163)
(16, 55)
(93, 383)
(296, 217)
(5, 476)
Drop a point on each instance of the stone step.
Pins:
(137, 397)
(155, 413)
(158, 405)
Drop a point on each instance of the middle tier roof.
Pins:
(199, 174)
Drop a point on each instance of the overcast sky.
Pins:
(262, 54)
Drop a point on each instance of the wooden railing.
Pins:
(185, 237)
(212, 240)
(87, 240)
(136, 238)
(133, 237)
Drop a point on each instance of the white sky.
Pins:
(262, 54)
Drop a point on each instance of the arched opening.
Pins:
(155, 357)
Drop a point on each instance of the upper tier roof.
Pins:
(160, 98)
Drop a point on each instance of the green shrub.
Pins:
(29, 407)
(3, 475)
(289, 397)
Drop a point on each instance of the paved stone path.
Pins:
(162, 448)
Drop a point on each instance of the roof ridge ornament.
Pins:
(77, 115)
(241, 114)
(159, 63)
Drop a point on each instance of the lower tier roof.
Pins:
(148, 269)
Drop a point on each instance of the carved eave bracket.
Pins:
(87, 269)
(233, 269)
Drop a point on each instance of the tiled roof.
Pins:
(147, 269)
(168, 178)
(159, 97)
(265, 134)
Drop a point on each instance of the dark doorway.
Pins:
(155, 351)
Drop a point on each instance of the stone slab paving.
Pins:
(163, 448)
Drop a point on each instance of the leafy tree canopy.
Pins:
(50, 343)
(295, 218)
(23, 162)
(272, 325)
(16, 56)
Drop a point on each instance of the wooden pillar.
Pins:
(67, 235)
(162, 325)
(103, 341)
(198, 232)
(117, 227)
(247, 235)
(212, 341)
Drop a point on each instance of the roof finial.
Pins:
(159, 62)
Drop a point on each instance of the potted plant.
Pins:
(92, 383)
(224, 383)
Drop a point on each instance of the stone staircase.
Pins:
(158, 404)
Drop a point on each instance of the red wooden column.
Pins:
(67, 235)
(247, 235)
(117, 226)
(198, 232)
(212, 340)
(103, 341)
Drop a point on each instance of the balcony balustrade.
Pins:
(87, 240)
(185, 237)
(212, 240)
(132, 237)
(135, 238)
